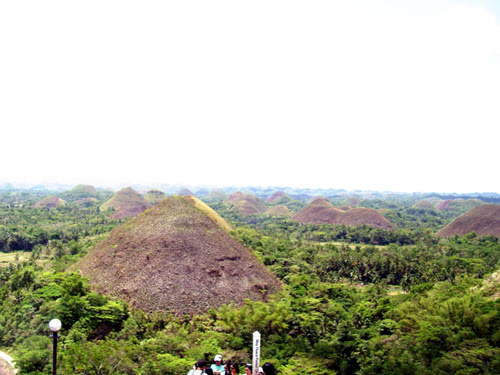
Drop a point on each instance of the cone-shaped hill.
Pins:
(351, 201)
(245, 204)
(127, 202)
(365, 216)
(484, 220)
(321, 211)
(216, 195)
(457, 206)
(80, 192)
(184, 191)
(280, 197)
(155, 196)
(50, 202)
(175, 257)
(279, 211)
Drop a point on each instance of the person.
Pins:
(248, 369)
(227, 368)
(218, 367)
(261, 371)
(234, 368)
(191, 372)
(202, 365)
(269, 369)
(209, 371)
(200, 368)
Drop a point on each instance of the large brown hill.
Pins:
(175, 257)
(484, 220)
(127, 202)
(245, 204)
(321, 211)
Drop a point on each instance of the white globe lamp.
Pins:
(55, 325)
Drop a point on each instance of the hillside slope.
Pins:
(175, 257)
(484, 220)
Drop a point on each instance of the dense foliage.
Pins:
(356, 301)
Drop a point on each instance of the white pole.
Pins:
(256, 353)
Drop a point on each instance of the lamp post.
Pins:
(55, 326)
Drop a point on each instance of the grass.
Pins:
(22, 256)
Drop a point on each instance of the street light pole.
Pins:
(55, 326)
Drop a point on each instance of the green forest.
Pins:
(356, 300)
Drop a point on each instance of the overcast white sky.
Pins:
(368, 94)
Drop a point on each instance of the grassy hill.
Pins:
(245, 204)
(319, 211)
(484, 220)
(127, 203)
(50, 202)
(279, 211)
(177, 257)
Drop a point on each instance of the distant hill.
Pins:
(155, 196)
(245, 204)
(426, 204)
(87, 202)
(127, 203)
(351, 201)
(279, 211)
(185, 191)
(278, 197)
(484, 220)
(80, 192)
(177, 257)
(50, 202)
(217, 195)
(457, 205)
(320, 211)
(365, 216)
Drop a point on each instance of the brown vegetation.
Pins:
(175, 257)
(484, 220)
(320, 211)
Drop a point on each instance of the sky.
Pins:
(399, 95)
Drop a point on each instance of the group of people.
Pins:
(228, 368)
